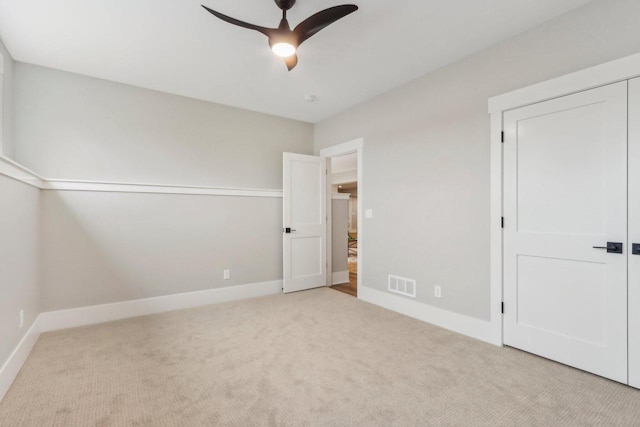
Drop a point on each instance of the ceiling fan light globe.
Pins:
(284, 50)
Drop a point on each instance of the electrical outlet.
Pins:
(368, 213)
(437, 291)
(21, 318)
(226, 275)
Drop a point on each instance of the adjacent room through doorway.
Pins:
(344, 223)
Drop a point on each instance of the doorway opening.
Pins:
(344, 231)
(344, 219)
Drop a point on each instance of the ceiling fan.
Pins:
(283, 40)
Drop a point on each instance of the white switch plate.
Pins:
(437, 291)
(227, 274)
(21, 318)
(368, 213)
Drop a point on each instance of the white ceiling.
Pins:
(175, 46)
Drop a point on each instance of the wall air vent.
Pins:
(402, 286)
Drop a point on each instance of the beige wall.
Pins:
(76, 127)
(426, 152)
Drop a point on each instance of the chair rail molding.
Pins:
(14, 170)
(117, 187)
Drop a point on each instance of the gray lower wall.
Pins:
(339, 235)
(19, 260)
(107, 247)
(426, 156)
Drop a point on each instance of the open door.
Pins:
(304, 222)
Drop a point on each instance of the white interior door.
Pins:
(565, 192)
(634, 232)
(304, 222)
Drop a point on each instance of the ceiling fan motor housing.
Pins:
(285, 4)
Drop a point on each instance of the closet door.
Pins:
(565, 198)
(634, 232)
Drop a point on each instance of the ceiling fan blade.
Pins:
(266, 31)
(320, 20)
(291, 61)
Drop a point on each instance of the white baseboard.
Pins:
(476, 328)
(339, 277)
(12, 366)
(62, 319)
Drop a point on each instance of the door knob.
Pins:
(612, 247)
(289, 230)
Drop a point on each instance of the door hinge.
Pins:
(502, 222)
(502, 307)
(502, 136)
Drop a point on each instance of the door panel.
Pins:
(634, 232)
(562, 172)
(565, 191)
(547, 286)
(304, 222)
(304, 256)
(305, 205)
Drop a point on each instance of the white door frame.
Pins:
(354, 146)
(633, 261)
(611, 72)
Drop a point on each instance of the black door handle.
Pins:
(289, 230)
(612, 247)
(635, 249)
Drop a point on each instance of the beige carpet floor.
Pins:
(316, 358)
